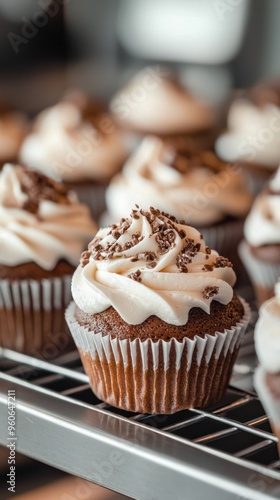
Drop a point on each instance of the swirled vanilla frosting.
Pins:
(196, 186)
(262, 225)
(151, 264)
(151, 103)
(73, 142)
(40, 220)
(267, 333)
(253, 134)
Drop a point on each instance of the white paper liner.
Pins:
(261, 273)
(269, 402)
(192, 354)
(32, 315)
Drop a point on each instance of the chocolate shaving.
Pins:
(84, 259)
(208, 267)
(210, 291)
(222, 262)
(136, 276)
(39, 187)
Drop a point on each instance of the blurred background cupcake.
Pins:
(155, 318)
(195, 186)
(13, 129)
(155, 102)
(253, 135)
(260, 250)
(267, 341)
(77, 142)
(43, 229)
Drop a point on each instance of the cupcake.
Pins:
(193, 185)
(158, 104)
(260, 250)
(13, 128)
(267, 341)
(43, 229)
(154, 316)
(76, 142)
(252, 137)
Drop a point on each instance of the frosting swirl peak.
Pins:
(151, 264)
(262, 225)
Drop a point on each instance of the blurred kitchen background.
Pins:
(47, 46)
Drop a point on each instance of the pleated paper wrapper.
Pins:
(32, 316)
(162, 376)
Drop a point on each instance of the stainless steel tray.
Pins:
(224, 452)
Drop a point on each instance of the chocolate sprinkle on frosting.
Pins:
(210, 291)
(39, 187)
(135, 276)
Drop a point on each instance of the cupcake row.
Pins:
(194, 164)
(155, 318)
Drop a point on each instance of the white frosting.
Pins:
(55, 232)
(152, 104)
(274, 182)
(199, 196)
(163, 290)
(267, 333)
(66, 147)
(13, 127)
(253, 134)
(262, 226)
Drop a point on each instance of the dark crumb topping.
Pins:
(84, 259)
(222, 262)
(165, 230)
(135, 276)
(219, 262)
(210, 291)
(186, 256)
(38, 187)
(184, 159)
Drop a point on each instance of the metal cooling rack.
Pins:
(224, 452)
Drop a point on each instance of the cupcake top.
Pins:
(75, 140)
(193, 185)
(13, 128)
(253, 134)
(151, 264)
(153, 104)
(267, 333)
(40, 220)
(262, 226)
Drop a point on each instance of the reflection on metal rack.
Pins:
(227, 450)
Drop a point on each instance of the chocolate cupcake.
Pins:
(78, 143)
(253, 135)
(160, 105)
(155, 318)
(43, 229)
(13, 129)
(260, 250)
(193, 185)
(267, 341)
